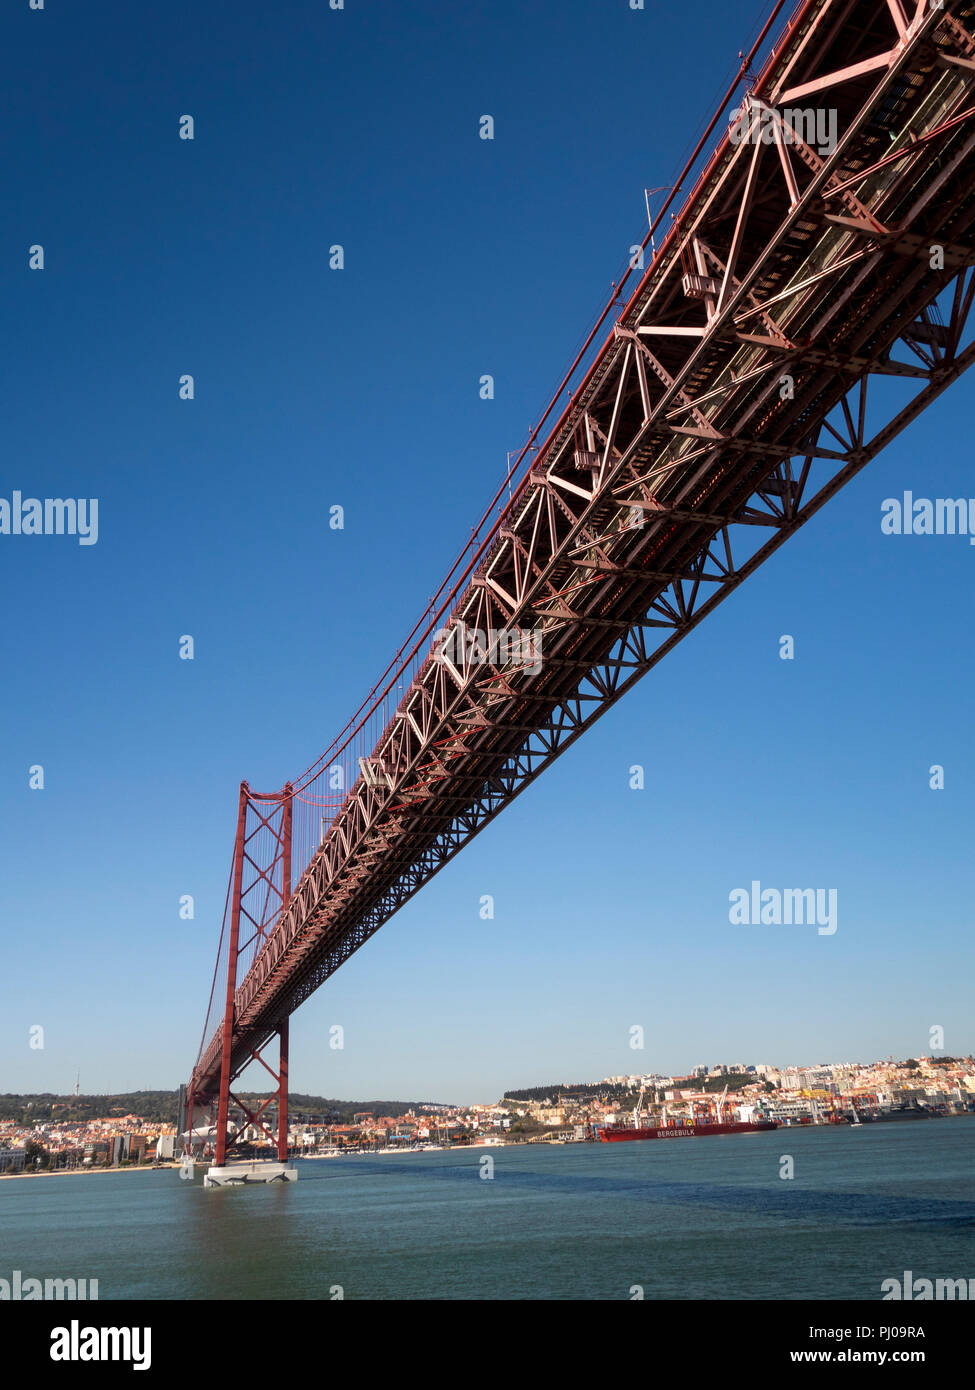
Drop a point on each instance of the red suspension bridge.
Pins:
(809, 300)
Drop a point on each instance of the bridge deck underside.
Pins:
(736, 394)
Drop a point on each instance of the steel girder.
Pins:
(729, 404)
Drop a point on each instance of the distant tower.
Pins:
(77, 1084)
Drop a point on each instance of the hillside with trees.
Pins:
(161, 1106)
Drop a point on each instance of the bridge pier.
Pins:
(222, 1173)
(283, 1093)
(223, 1104)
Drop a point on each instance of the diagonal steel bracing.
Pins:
(735, 395)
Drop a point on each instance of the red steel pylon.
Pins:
(262, 847)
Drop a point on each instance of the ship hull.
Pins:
(693, 1131)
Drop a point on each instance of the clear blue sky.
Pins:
(360, 387)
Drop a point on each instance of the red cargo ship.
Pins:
(614, 1133)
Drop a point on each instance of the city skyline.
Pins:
(935, 1057)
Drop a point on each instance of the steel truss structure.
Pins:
(259, 894)
(751, 375)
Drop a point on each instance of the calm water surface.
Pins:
(699, 1218)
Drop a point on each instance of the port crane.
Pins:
(721, 1104)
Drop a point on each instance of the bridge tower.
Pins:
(259, 894)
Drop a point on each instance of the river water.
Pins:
(707, 1218)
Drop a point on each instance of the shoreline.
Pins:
(372, 1153)
(87, 1172)
(303, 1158)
